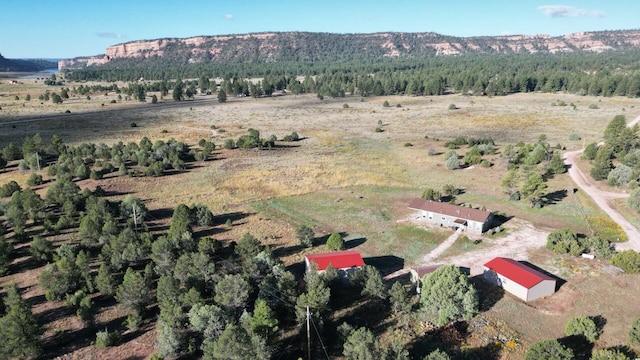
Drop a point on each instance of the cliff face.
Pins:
(311, 46)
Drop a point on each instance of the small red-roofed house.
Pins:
(346, 262)
(519, 279)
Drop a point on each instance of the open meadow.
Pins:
(344, 176)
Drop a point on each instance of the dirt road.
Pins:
(524, 237)
(603, 198)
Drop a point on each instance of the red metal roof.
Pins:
(517, 271)
(337, 259)
(457, 211)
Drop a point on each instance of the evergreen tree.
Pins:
(236, 344)
(447, 296)
(133, 293)
(362, 345)
(556, 165)
(534, 189)
(232, 292)
(5, 251)
(602, 164)
(180, 222)
(19, 329)
(263, 322)
(222, 96)
(105, 280)
(399, 297)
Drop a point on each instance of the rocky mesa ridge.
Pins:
(279, 46)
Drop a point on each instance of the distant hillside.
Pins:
(11, 65)
(310, 47)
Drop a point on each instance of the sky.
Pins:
(71, 28)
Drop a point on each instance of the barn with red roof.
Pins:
(346, 262)
(519, 279)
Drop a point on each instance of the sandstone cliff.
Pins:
(296, 46)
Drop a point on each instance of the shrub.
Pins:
(437, 354)
(627, 260)
(620, 175)
(9, 188)
(385, 104)
(582, 325)
(105, 338)
(564, 241)
(431, 194)
(378, 129)
(41, 249)
(112, 102)
(335, 242)
(408, 144)
(229, 144)
(549, 350)
(593, 106)
(452, 163)
(453, 107)
(608, 354)
(634, 199)
(634, 333)
(433, 152)
(291, 137)
(133, 125)
(345, 106)
(34, 179)
(574, 137)
(450, 154)
(305, 235)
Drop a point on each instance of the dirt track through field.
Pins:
(603, 198)
(516, 245)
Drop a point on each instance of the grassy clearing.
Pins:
(367, 214)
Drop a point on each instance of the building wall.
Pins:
(473, 227)
(542, 289)
(508, 285)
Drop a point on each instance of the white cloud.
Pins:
(228, 17)
(110, 35)
(569, 11)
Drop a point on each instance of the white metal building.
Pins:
(519, 279)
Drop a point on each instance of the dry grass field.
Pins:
(345, 177)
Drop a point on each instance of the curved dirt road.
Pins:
(603, 198)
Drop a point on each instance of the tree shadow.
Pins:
(581, 347)
(556, 196)
(161, 213)
(209, 231)
(234, 217)
(559, 281)
(490, 351)
(385, 264)
(287, 250)
(354, 243)
(600, 322)
(488, 293)
(26, 262)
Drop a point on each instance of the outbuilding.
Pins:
(518, 279)
(346, 262)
